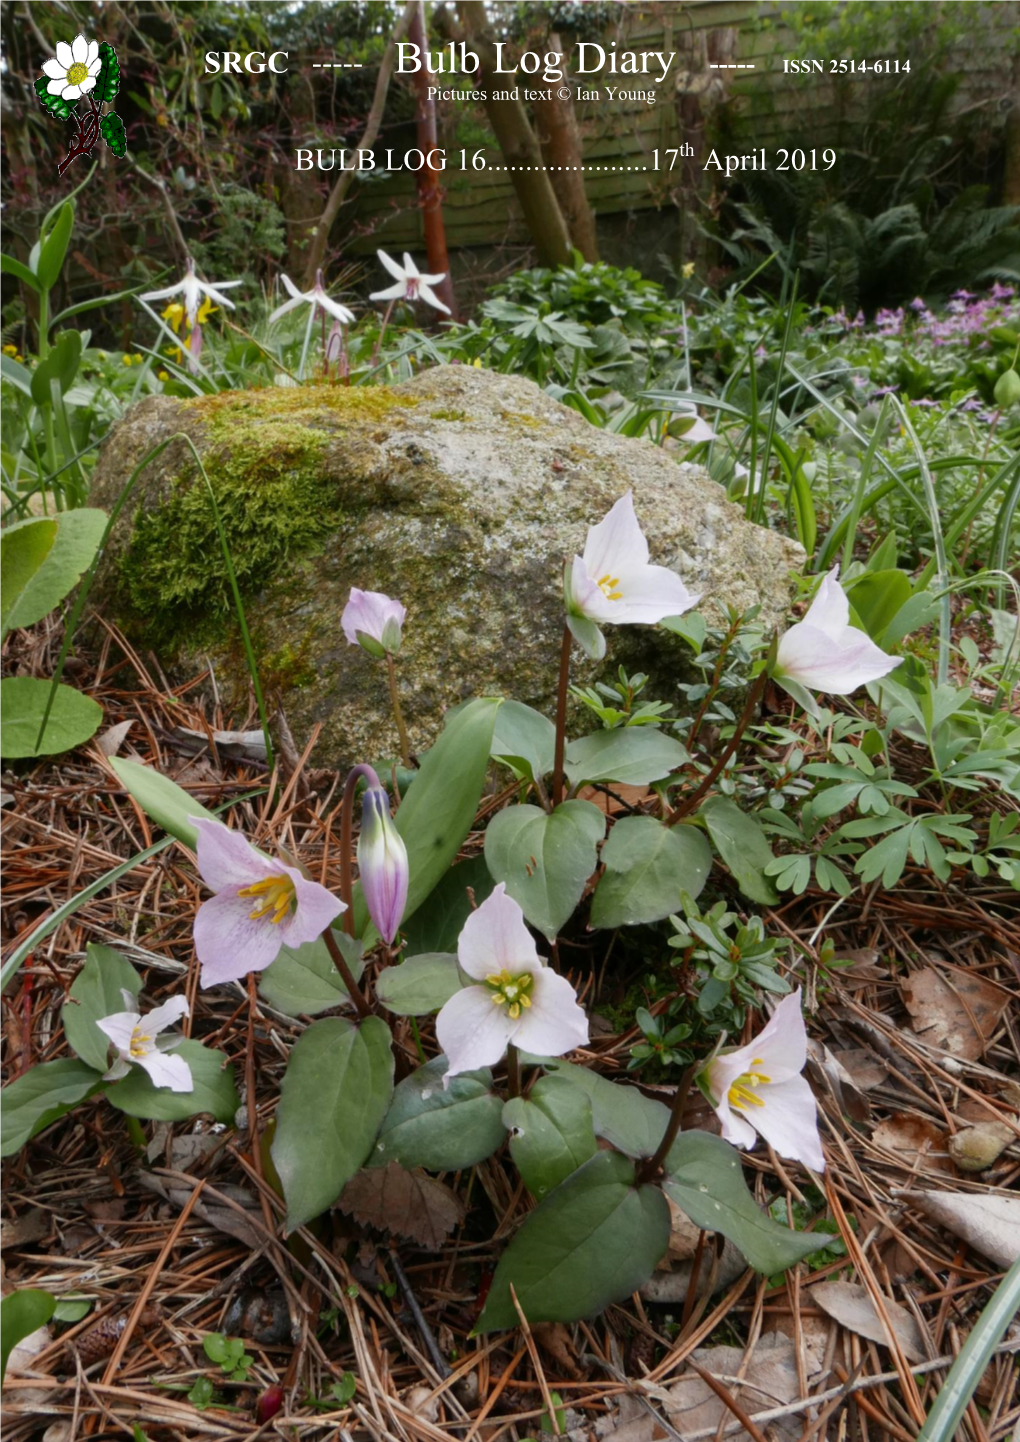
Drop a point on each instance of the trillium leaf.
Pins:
(524, 739)
(436, 814)
(73, 718)
(877, 597)
(162, 800)
(545, 859)
(648, 865)
(96, 993)
(630, 755)
(632, 1122)
(705, 1179)
(36, 576)
(593, 1240)
(438, 922)
(334, 1095)
(214, 1092)
(551, 1133)
(444, 1130)
(420, 985)
(304, 981)
(43, 1094)
(742, 844)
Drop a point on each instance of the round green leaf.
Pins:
(304, 981)
(21, 1314)
(443, 1129)
(545, 859)
(72, 720)
(24, 547)
(422, 984)
(335, 1093)
(42, 560)
(214, 1090)
(42, 1095)
(438, 922)
(630, 755)
(592, 1241)
(647, 866)
(743, 845)
(551, 1133)
(96, 993)
(524, 739)
(632, 1122)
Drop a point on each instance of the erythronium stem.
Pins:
(561, 718)
(688, 803)
(356, 774)
(513, 1071)
(382, 331)
(346, 976)
(398, 715)
(652, 1167)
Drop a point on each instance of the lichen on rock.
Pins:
(460, 492)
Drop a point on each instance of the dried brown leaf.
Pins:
(850, 1304)
(956, 1011)
(990, 1224)
(30, 1226)
(914, 1141)
(409, 1203)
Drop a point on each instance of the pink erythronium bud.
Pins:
(409, 283)
(824, 652)
(614, 582)
(138, 1043)
(759, 1088)
(373, 621)
(260, 905)
(382, 863)
(519, 999)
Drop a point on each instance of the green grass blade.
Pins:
(854, 518)
(935, 520)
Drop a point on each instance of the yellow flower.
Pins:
(687, 270)
(205, 310)
(10, 350)
(127, 360)
(174, 313)
(163, 375)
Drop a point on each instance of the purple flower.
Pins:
(373, 621)
(382, 862)
(260, 905)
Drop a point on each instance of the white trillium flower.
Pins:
(759, 1088)
(75, 70)
(824, 652)
(613, 581)
(410, 283)
(138, 1043)
(518, 998)
(700, 430)
(191, 290)
(316, 296)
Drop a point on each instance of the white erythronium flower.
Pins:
(316, 296)
(824, 652)
(373, 621)
(75, 70)
(409, 283)
(614, 582)
(191, 290)
(517, 999)
(138, 1043)
(759, 1088)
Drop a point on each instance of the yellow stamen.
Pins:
(139, 1044)
(511, 991)
(608, 585)
(276, 897)
(77, 73)
(742, 1091)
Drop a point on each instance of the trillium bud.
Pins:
(382, 861)
(373, 622)
(1007, 389)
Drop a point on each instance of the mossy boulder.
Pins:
(459, 492)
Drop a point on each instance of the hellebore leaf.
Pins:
(420, 985)
(427, 1126)
(647, 866)
(593, 1240)
(72, 719)
(545, 859)
(631, 755)
(43, 1094)
(632, 1122)
(524, 739)
(95, 993)
(438, 922)
(214, 1090)
(334, 1095)
(551, 1133)
(742, 844)
(303, 980)
(705, 1179)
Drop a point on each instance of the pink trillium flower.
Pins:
(409, 283)
(518, 998)
(373, 621)
(138, 1043)
(759, 1088)
(75, 70)
(191, 290)
(260, 905)
(316, 296)
(382, 863)
(613, 581)
(824, 652)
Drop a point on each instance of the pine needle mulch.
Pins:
(366, 1329)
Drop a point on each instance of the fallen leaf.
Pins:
(828, 1071)
(769, 1379)
(30, 1226)
(958, 1012)
(866, 1069)
(990, 1223)
(850, 1304)
(914, 1141)
(409, 1203)
(623, 801)
(112, 739)
(224, 1219)
(975, 1148)
(554, 1338)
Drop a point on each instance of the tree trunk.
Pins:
(518, 144)
(560, 138)
(430, 199)
(320, 235)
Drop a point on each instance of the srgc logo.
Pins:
(83, 70)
